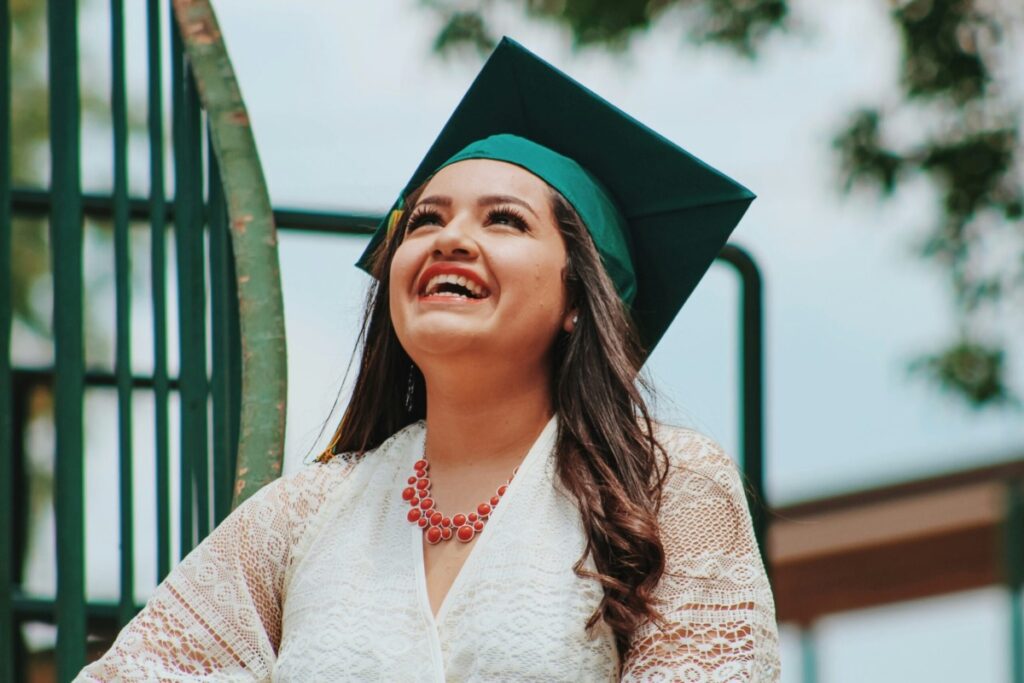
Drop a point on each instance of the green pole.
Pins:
(7, 629)
(158, 270)
(66, 250)
(188, 228)
(1013, 562)
(752, 390)
(254, 240)
(122, 293)
(224, 343)
(808, 655)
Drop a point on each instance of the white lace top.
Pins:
(319, 577)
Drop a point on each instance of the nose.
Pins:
(455, 240)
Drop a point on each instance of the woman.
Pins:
(497, 503)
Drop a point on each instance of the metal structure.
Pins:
(225, 253)
(200, 215)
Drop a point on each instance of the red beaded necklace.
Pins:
(438, 526)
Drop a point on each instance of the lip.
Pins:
(449, 269)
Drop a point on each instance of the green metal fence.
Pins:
(214, 183)
(198, 216)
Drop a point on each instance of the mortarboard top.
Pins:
(678, 211)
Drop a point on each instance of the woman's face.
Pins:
(480, 271)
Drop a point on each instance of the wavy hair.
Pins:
(607, 455)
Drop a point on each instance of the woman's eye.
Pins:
(509, 217)
(423, 218)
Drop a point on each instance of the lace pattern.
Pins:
(217, 616)
(714, 594)
(315, 578)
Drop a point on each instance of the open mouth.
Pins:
(454, 287)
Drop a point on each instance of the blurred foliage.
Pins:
(971, 369)
(741, 25)
(967, 144)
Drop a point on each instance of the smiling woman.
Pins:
(497, 502)
(507, 246)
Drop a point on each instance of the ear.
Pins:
(570, 319)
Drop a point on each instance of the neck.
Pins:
(493, 416)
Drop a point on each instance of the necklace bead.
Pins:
(437, 527)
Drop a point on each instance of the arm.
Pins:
(714, 595)
(217, 616)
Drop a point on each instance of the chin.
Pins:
(436, 338)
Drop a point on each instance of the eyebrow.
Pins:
(436, 200)
(492, 199)
(487, 200)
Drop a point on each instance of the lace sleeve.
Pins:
(714, 594)
(217, 616)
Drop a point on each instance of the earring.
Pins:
(575, 319)
(410, 390)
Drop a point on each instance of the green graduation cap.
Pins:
(657, 214)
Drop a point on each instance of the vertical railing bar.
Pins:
(808, 655)
(122, 293)
(7, 626)
(66, 263)
(1013, 569)
(220, 306)
(234, 379)
(192, 303)
(158, 265)
(752, 389)
(1016, 636)
(181, 214)
(197, 290)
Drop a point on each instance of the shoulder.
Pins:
(697, 462)
(312, 482)
(300, 495)
(703, 495)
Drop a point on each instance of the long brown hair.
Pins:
(607, 455)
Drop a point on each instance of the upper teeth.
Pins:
(439, 280)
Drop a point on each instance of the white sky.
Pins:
(346, 96)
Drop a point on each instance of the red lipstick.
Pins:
(450, 269)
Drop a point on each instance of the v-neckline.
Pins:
(542, 444)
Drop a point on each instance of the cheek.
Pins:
(539, 285)
(402, 271)
(404, 267)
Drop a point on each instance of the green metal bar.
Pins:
(808, 656)
(179, 116)
(1016, 637)
(191, 302)
(220, 307)
(31, 608)
(186, 533)
(158, 208)
(1013, 564)
(752, 388)
(66, 246)
(254, 238)
(93, 379)
(7, 628)
(122, 294)
(36, 203)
